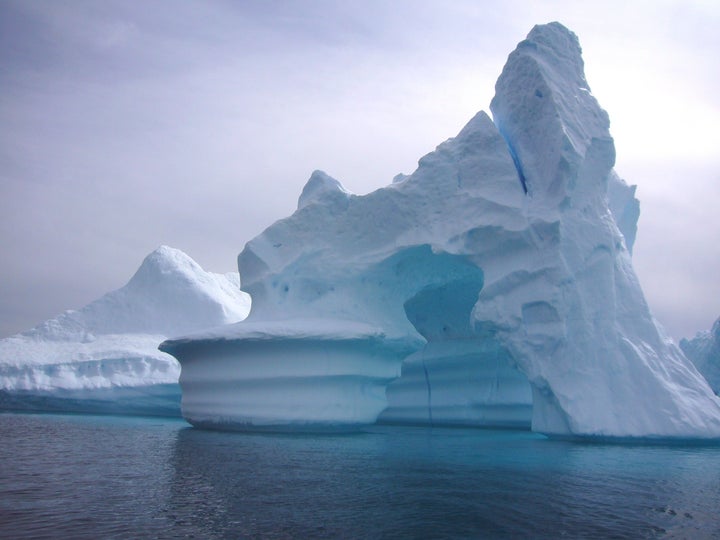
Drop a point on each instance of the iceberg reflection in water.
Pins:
(102, 476)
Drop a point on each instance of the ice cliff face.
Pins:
(104, 357)
(496, 280)
(704, 351)
(573, 315)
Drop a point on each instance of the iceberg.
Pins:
(704, 351)
(103, 358)
(491, 287)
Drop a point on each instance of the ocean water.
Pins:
(122, 477)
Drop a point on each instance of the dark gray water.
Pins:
(115, 477)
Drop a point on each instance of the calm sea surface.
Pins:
(115, 477)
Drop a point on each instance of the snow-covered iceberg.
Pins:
(496, 280)
(704, 351)
(104, 358)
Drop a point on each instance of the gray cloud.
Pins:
(126, 126)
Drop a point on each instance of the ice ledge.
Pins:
(304, 375)
(311, 329)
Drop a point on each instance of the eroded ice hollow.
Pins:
(493, 286)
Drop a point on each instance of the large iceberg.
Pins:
(103, 358)
(496, 281)
(704, 351)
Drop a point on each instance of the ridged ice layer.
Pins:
(306, 375)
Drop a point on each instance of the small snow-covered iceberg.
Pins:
(103, 358)
(704, 351)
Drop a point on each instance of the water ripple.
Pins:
(104, 477)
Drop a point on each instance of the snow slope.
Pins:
(104, 357)
(502, 265)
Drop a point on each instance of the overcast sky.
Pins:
(127, 125)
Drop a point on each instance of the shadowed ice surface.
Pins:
(91, 477)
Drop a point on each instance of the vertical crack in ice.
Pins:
(429, 391)
(515, 158)
(496, 383)
(516, 161)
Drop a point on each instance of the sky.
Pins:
(128, 125)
